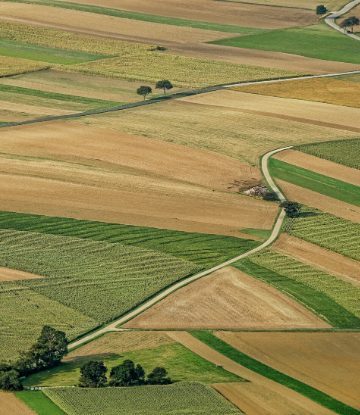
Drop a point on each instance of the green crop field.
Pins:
(180, 363)
(317, 41)
(345, 294)
(237, 356)
(328, 231)
(180, 399)
(201, 249)
(316, 182)
(39, 403)
(346, 152)
(315, 301)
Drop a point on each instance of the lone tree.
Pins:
(158, 377)
(164, 84)
(126, 374)
(144, 90)
(93, 374)
(292, 209)
(321, 9)
(350, 22)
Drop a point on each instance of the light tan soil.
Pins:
(226, 298)
(321, 166)
(283, 106)
(254, 399)
(309, 407)
(345, 268)
(210, 11)
(11, 405)
(117, 343)
(324, 203)
(329, 362)
(8, 274)
(23, 110)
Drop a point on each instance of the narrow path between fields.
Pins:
(330, 20)
(274, 234)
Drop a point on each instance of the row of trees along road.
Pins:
(146, 90)
(93, 375)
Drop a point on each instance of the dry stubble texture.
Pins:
(7, 274)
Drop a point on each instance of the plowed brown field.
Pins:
(226, 298)
(11, 405)
(329, 362)
(331, 91)
(75, 171)
(308, 407)
(254, 399)
(324, 203)
(321, 166)
(210, 11)
(117, 343)
(345, 268)
(8, 274)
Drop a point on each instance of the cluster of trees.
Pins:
(47, 352)
(93, 375)
(146, 90)
(350, 22)
(292, 209)
(321, 9)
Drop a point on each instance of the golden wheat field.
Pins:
(13, 66)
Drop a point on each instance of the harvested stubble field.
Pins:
(321, 166)
(8, 274)
(326, 361)
(13, 112)
(13, 66)
(332, 5)
(118, 343)
(232, 132)
(328, 261)
(182, 398)
(325, 203)
(328, 90)
(11, 405)
(227, 299)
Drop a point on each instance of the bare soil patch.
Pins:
(8, 274)
(345, 268)
(254, 399)
(195, 345)
(330, 91)
(324, 203)
(329, 362)
(220, 12)
(319, 165)
(11, 405)
(117, 343)
(226, 298)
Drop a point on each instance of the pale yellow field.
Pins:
(223, 130)
(330, 91)
(13, 66)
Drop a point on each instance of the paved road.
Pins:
(330, 20)
(145, 306)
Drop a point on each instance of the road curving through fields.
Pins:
(330, 19)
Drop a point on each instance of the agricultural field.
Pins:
(326, 361)
(13, 66)
(342, 152)
(332, 5)
(182, 398)
(337, 91)
(11, 405)
(226, 299)
(353, 12)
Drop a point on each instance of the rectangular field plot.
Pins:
(11, 405)
(182, 398)
(14, 66)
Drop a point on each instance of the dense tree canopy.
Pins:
(321, 9)
(93, 374)
(292, 209)
(164, 84)
(144, 91)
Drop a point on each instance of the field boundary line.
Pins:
(274, 234)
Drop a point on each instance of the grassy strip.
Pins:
(261, 233)
(174, 21)
(346, 152)
(202, 249)
(317, 302)
(59, 97)
(39, 403)
(316, 182)
(315, 41)
(315, 395)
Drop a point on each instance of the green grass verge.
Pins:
(316, 182)
(261, 233)
(346, 152)
(39, 403)
(97, 103)
(174, 21)
(315, 395)
(202, 249)
(315, 301)
(181, 364)
(328, 231)
(349, 78)
(317, 41)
